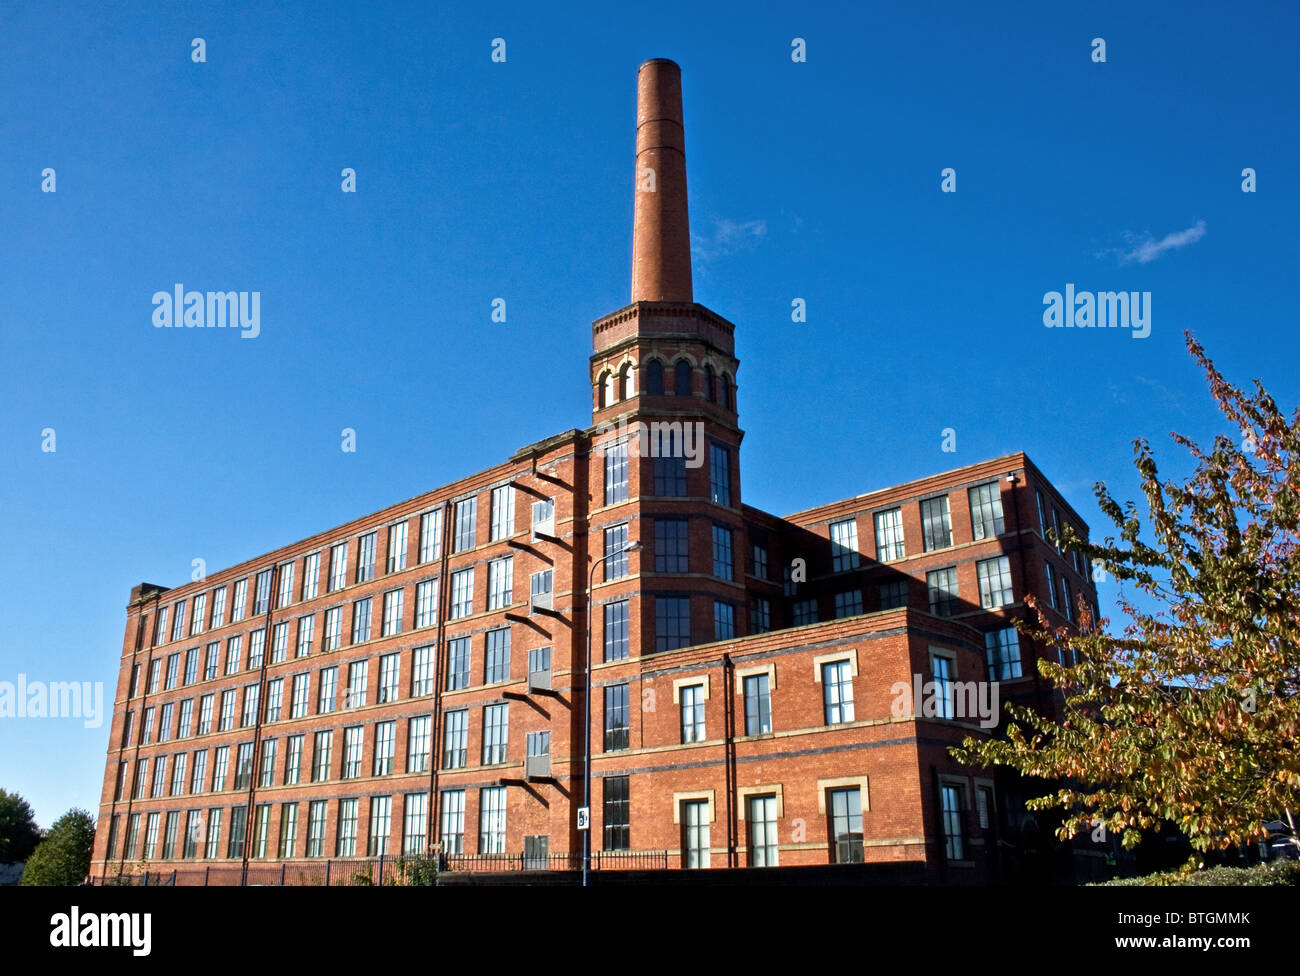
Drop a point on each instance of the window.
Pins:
(417, 744)
(1065, 598)
(1056, 528)
(426, 603)
(178, 620)
(501, 574)
(670, 476)
(219, 606)
(159, 777)
(279, 642)
(724, 620)
(710, 384)
(160, 632)
(671, 548)
(385, 747)
(723, 558)
(617, 719)
(1051, 585)
(539, 667)
(692, 699)
(422, 671)
(1042, 519)
(672, 622)
(200, 612)
(846, 825)
(214, 833)
(616, 473)
(352, 745)
(392, 613)
(430, 536)
(453, 821)
(155, 674)
(358, 678)
(256, 648)
(616, 631)
(462, 593)
(361, 613)
(893, 594)
(941, 584)
(760, 615)
(719, 474)
(274, 699)
(942, 666)
(187, 718)
(954, 822)
(654, 378)
(366, 546)
(682, 378)
(615, 552)
(466, 524)
(492, 820)
(252, 697)
(758, 560)
(544, 517)
(616, 813)
(262, 594)
(227, 721)
(193, 834)
(288, 830)
(758, 704)
(496, 730)
(338, 566)
(995, 582)
(503, 512)
(178, 774)
(205, 714)
(458, 654)
(293, 760)
(151, 838)
(936, 526)
(837, 692)
(415, 807)
(239, 602)
(848, 603)
(266, 767)
(141, 781)
(328, 689)
(396, 547)
(316, 828)
(244, 766)
(804, 612)
(211, 661)
(762, 831)
(496, 659)
(305, 627)
(310, 576)
(455, 739)
(173, 669)
(844, 545)
(333, 628)
(540, 589)
(538, 746)
(165, 723)
(695, 833)
(986, 511)
(389, 666)
(284, 595)
(1002, 651)
(346, 843)
(148, 726)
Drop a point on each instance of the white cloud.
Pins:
(727, 237)
(1146, 250)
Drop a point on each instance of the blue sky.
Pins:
(478, 180)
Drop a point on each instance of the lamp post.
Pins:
(632, 546)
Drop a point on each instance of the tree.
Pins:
(19, 834)
(1190, 716)
(63, 857)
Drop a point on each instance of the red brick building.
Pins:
(415, 680)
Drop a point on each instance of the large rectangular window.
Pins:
(763, 840)
(453, 821)
(986, 511)
(954, 822)
(358, 679)
(262, 596)
(288, 831)
(496, 657)
(462, 593)
(415, 808)
(617, 717)
(615, 552)
(422, 672)
(381, 825)
(328, 690)
(418, 744)
(352, 746)
(941, 585)
(338, 566)
(672, 622)
(496, 730)
(284, 588)
(848, 603)
(941, 665)
(426, 603)
(361, 614)
(333, 628)
(316, 829)
(366, 547)
(692, 699)
(723, 555)
(219, 607)
(385, 747)
(430, 536)
(837, 692)
(758, 704)
(616, 473)
(844, 545)
(695, 833)
(392, 613)
(293, 760)
(396, 547)
(492, 820)
(346, 836)
(724, 620)
(1002, 651)
(616, 631)
(389, 667)
(845, 808)
(503, 512)
(995, 581)
(760, 615)
(671, 546)
(719, 474)
(455, 739)
(239, 601)
(466, 524)
(322, 749)
(501, 574)
(458, 655)
(310, 576)
(670, 476)
(936, 524)
(617, 813)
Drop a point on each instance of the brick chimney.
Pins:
(661, 235)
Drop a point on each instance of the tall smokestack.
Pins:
(661, 234)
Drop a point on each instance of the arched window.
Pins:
(625, 387)
(726, 392)
(709, 384)
(655, 378)
(682, 378)
(603, 390)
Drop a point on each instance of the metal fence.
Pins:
(384, 870)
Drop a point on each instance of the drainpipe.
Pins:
(729, 753)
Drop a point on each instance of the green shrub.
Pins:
(1277, 873)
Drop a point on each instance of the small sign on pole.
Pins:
(584, 818)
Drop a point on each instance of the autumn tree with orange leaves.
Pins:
(1191, 715)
